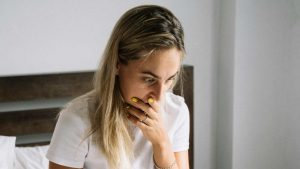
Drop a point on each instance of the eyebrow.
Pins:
(156, 76)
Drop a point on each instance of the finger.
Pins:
(154, 104)
(139, 115)
(136, 112)
(144, 107)
(135, 120)
(142, 125)
(132, 118)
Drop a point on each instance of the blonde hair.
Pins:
(143, 29)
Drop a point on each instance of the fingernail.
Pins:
(127, 107)
(150, 100)
(134, 99)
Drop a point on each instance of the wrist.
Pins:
(162, 141)
(162, 151)
(162, 144)
(170, 166)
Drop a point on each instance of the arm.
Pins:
(182, 159)
(67, 147)
(57, 166)
(164, 157)
(153, 129)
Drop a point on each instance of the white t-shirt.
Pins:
(68, 147)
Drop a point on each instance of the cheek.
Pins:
(133, 88)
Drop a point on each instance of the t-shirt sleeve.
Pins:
(181, 135)
(69, 146)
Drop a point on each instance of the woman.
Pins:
(130, 119)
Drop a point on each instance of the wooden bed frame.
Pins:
(29, 104)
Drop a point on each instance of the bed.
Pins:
(29, 107)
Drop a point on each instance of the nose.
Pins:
(158, 91)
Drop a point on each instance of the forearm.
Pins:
(163, 155)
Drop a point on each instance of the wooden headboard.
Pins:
(29, 104)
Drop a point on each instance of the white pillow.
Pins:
(7, 151)
(31, 157)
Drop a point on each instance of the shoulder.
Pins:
(174, 101)
(81, 102)
(69, 144)
(175, 108)
(79, 108)
(177, 121)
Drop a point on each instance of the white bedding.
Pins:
(12, 157)
(31, 157)
(7, 154)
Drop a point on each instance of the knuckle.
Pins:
(148, 109)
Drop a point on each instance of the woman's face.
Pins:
(150, 77)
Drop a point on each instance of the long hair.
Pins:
(143, 29)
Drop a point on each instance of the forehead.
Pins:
(161, 62)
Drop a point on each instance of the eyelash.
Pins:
(150, 80)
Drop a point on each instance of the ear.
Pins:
(117, 68)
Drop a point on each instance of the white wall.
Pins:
(261, 50)
(258, 117)
(293, 96)
(225, 74)
(38, 37)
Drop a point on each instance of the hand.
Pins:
(147, 117)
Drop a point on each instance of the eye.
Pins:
(149, 80)
(171, 79)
